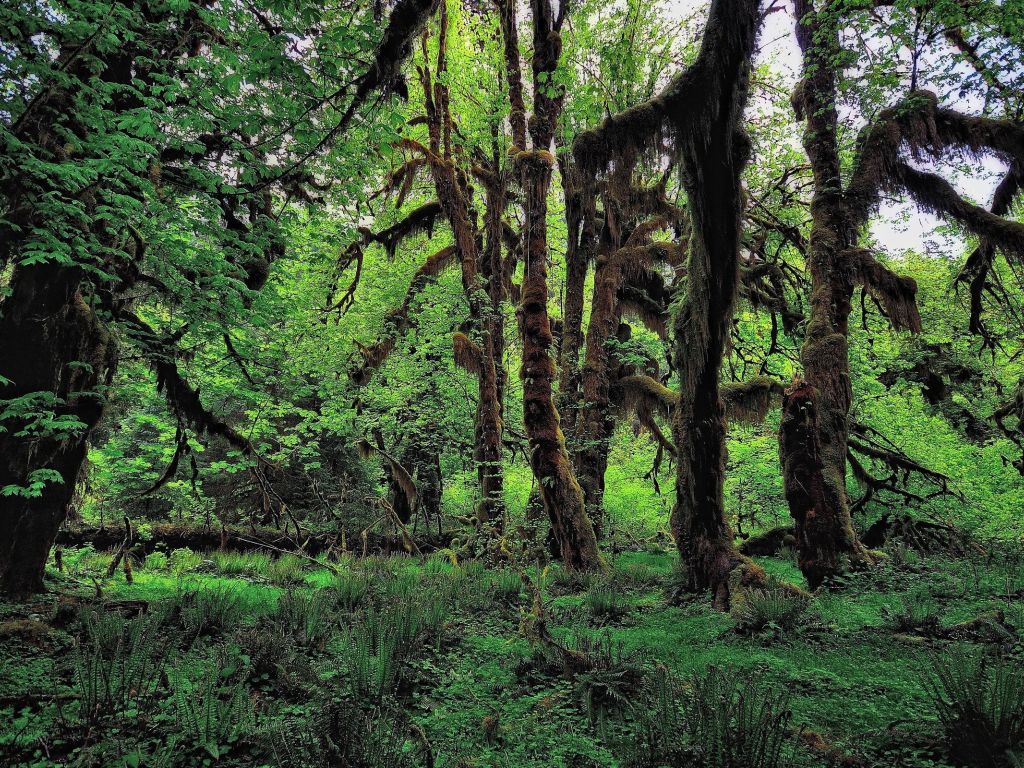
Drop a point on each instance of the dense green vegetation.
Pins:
(439, 383)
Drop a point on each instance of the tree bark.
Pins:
(579, 219)
(714, 151)
(481, 280)
(51, 343)
(815, 424)
(560, 491)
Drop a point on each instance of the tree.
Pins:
(814, 436)
(559, 488)
(703, 109)
(139, 138)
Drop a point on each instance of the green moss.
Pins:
(473, 683)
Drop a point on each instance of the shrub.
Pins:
(85, 561)
(117, 666)
(156, 561)
(286, 569)
(307, 615)
(337, 733)
(350, 590)
(772, 610)
(184, 560)
(658, 713)
(506, 585)
(269, 648)
(917, 610)
(980, 703)
(563, 581)
(605, 602)
(374, 664)
(718, 719)
(209, 611)
(396, 586)
(607, 678)
(211, 714)
(733, 722)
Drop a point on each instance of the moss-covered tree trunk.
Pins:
(713, 159)
(490, 412)
(579, 219)
(561, 493)
(597, 422)
(815, 423)
(55, 353)
(481, 280)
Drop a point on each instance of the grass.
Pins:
(245, 668)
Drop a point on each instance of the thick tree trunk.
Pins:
(815, 426)
(597, 422)
(714, 151)
(563, 497)
(52, 347)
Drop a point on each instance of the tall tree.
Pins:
(559, 488)
(814, 435)
(702, 108)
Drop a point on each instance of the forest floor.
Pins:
(243, 660)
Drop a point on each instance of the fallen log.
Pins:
(170, 536)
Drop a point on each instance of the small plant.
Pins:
(658, 713)
(605, 602)
(210, 611)
(506, 585)
(769, 610)
(185, 560)
(607, 676)
(437, 564)
(374, 665)
(286, 569)
(563, 581)
(213, 715)
(731, 721)
(915, 611)
(980, 703)
(396, 586)
(85, 561)
(269, 648)
(350, 590)
(307, 615)
(638, 576)
(117, 666)
(156, 561)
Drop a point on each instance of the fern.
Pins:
(980, 703)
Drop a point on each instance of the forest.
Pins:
(473, 383)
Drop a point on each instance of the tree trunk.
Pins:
(484, 292)
(52, 345)
(714, 151)
(815, 425)
(563, 497)
(490, 418)
(561, 493)
(579, 215)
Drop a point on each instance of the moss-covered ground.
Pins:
(246, 660)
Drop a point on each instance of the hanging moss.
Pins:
(749, 401)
